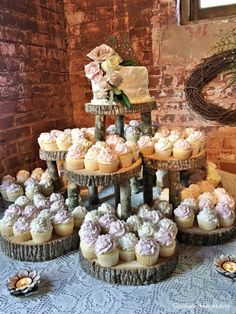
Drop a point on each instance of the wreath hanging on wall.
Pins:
(202, 74)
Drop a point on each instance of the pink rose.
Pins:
(100, 53)
(92, 70)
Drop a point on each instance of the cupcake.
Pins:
(106, 208)
(194, 190)
(31, 190)
(146, 145)
(90, 134)
(108, 162)
(3, 189)
(147, 251)
(218, 192)
(30, 212)
(43, 204)
(173, 137)
(92, 215)
(46, 214)
(207, 219)
(163, 148)
(124, 154)
(84, 144)
(146, 230)
(22, 201)
(206, 186)
(30, 182)
(191, 203)
(127, 244)
(90, 159)
(22, 176)
(75, 158)
(58, 206)
(111, 129)
(64, 141)
(142, 210)
(14, 209)
(228, 200)
(46, 186)
(184, 216)
(90, 228)
(225, 215)
(6, 224)
(206, 200)
(164, 131)
(182, 149)
(134, 223)
(87, 245)
(79, 213)
(195, 140)
(167, 242)
(14, 191)
(118, 228)
(169, 225)
(63, 223)
(106, 251)
(188, 131)
(38, 197)
(133, 148)
(76, 135)
(41, 230)
(106, 220)
(164, 207)
(132, 134)
(113, 139)
(56, 197)
(21, 230)
(47, 142)
(153, 216)
(136, 124)
(8, 178)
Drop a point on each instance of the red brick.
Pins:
(229, 142)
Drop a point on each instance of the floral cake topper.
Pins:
(103, 71)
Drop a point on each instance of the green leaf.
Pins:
(128, 63)
(123, 99)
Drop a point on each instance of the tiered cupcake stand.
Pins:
(194, 235)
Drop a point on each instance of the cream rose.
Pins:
(101, 53)
(115, 78)
(92, 70)
(112, 63)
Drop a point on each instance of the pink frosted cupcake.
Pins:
(106, 251)
(113, 139)
(90, 159)
(206, 200)
(90, 228)
(64, 141)
(111, 129)
(63, 223)
(184, 216)
(30, 212)
(84, 144)
(225, 215)
(3, 189)
(106, 220)
(21, 230)
(90, 134)
(76, 135)
(118, 228)
(153, 216)
(14, 191)
(14, 209)
(147, 251)
(42, 204)
(56, 197)
(47, 142)
(87, 245)
(58, 206)
(182, 149)
(108, 162)
(228, 200)
(167, 242)
(75, 158)
(146, 145)
(163, 148)
(124, 154)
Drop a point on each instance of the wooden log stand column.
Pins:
(173, 166)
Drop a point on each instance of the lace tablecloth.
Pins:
(194, 287)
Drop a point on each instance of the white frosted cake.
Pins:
(106, 73)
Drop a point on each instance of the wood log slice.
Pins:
(118, 109)
(131, 273)
(95, 178)
(32, 252)
(52, 156)
(153, 162)
(197, 236)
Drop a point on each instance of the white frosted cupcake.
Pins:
(127, 244)
(84, 144)
(146, 145)
(182, 149)
(195, 140)
(146, 230)
(75, 157)
(134, 222)
(46, 214)
(191, 203)
(21, 230)
(106, 208)
(132, 134)
(41, 230)
(167, 242)
(38, 197)
(169, 225)
(207, 219)
(118, 228)
(184, 216)
(47, 142)
(6, 224)
(76, 135)
(92, 215)
(64, 141)
(106, 251)
(113, 139)
(164, 207)
(147, 251)
(31, 190)
(163, 148)
(22, 201)
(142, 210)
(90, 159)
(79, 213)
(124, 154)
(63, 223)
(225, 215)
(46, 186)
(111, 129)
(14, 191)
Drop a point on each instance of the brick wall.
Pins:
(169, 51)
(34, 80)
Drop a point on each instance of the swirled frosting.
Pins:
(40, 225)
(111, 129)
(79, 212)
(163, 144)
(32, 189)
(8, 178)
(132, 146)
(90, 239)
(106, 220)
(75, 151)
(121, 149)
(164, 207)
(195, 136)
(182, 144)
(92, 215)
(227, 199)
(43, 204)
(62, 217)
(46, 138)
(92, 153)
(21, 225)
(145, 141)
(58, 206)
(100, 145)
(208, 215)
(46, 183)
(9, 219)
(142, 210)
(22, 201)
(191, 202)
(23, 173)
(30, 212)
(14, 209)
(56, 197)
(135, 123)
(14, 188)
(164, 237)
(183, 210)
(30, 182)
(169, 225)
(47, 214)
(106, 208)
(118, 228)
(84, 144)
(224, 211)
(90, 227)
(172, 138)
(130, 130)
(114, 139)
(147, 246)
(146, 230)
(64, 137)
(164, 131)
(106, 155)
(134, 222)
(153, 216)
(77, 134)
(104, 244)
(38, 197)
(127, 241)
